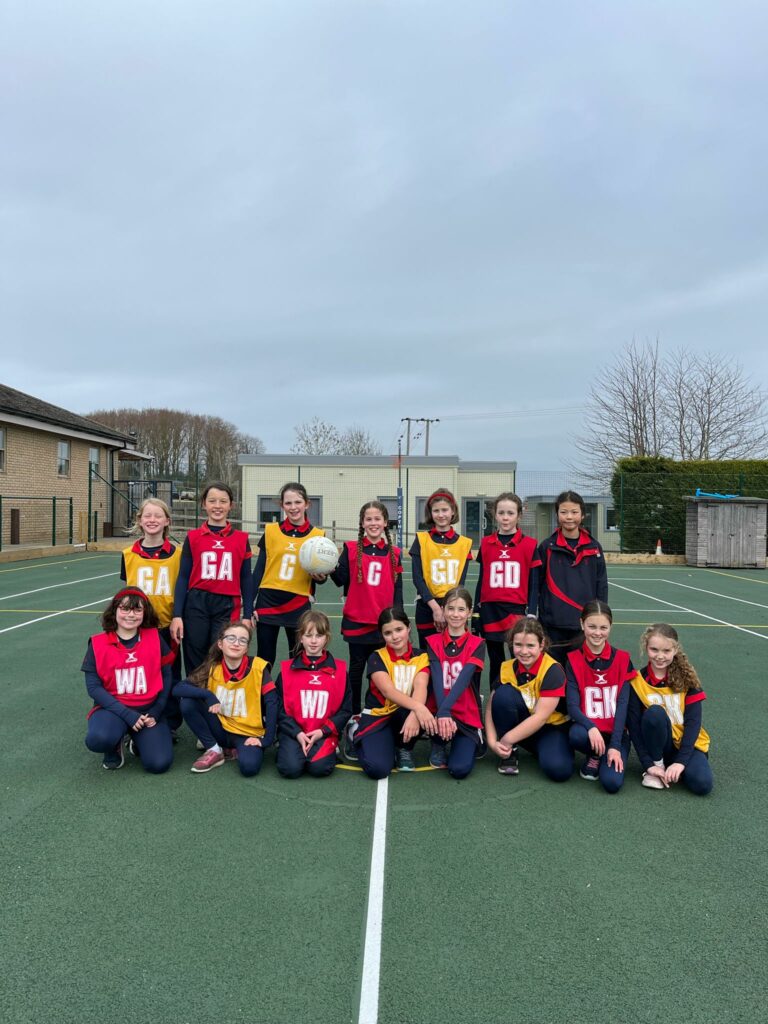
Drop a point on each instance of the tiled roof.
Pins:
(16, 403)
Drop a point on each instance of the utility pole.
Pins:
(426, 435)
(408, 420)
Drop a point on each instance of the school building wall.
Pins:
(344, 484)
(29, 478)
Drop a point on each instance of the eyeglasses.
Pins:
(130, 611)
(241, 641)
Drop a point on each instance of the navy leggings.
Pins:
(210, 731)
(461, 756)
(611, 779)
(550, 744)
(292, 762)
(376, 749)
(496, 655)
(657, 736)
(153, 744)
(358, 659)
(204, 615)
(266, 640)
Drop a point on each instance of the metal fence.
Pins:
(27, 521)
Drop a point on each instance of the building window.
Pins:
(2, 449)
(611, 518)
(93, 458)
(63, 458)
(391, 506)
(270, 511)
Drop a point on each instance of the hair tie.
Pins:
(444, 495)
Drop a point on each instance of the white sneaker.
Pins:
(652, 781)
(350, 753)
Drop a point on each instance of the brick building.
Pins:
(45, 458)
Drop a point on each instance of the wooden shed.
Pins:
(726, 532)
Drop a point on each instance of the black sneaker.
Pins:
(509, 765)
(404, 760)
(349, 748)
(114, 759)
(590, 769)
(438, 757)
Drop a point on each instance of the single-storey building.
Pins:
(47, 457)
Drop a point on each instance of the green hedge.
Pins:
(649, 494)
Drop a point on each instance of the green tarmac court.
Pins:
(214, 899)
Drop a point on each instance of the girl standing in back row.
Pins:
(439, 561)
(282, 588)
(214, 584)
(508, 584)
(572, 572)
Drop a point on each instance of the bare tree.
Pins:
(318, 437)
(682, 406)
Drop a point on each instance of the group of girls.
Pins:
(579, 694)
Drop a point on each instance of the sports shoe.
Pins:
(199, 745)
(230, 753)
(132, 748)
(509, 765)
(210, 759)
(438, 757)
(590, 769)
(652, 781)
(404, 760)
(350, 752)
(114, 759)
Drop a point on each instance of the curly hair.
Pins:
(128, 598)
(681, 675)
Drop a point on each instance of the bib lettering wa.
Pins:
(531, 691)
(402, 674)
(443, 564)
(240, 699)
(674, 705)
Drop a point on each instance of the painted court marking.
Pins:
(369, 992)
(53, 615)
(682, 608)
(715, 593)
(54, 586)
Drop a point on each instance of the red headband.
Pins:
(130, 592)
(444, 495)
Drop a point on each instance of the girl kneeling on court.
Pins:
(129, 684)
(664, 716)
(395, 709)
(597, 690)
(527, 707)
(315, 702)
(230, 703)
(456, 659)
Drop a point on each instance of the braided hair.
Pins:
(379, 506)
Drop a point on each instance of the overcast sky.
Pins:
(367, 210)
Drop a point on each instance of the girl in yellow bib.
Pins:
(439, 561)
(664, 716)
(152, 565)
(528, 706)
(230, 703)
(282, 589)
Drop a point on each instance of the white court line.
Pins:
(64, 611)
(53, 586)
(715, 593)
(682, 608)
(369, 991)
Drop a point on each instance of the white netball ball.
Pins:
(318, 556)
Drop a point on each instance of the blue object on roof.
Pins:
(709, 494)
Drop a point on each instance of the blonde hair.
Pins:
(136, 528)
(681, 675)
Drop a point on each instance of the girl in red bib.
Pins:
(283, 590)
(456, 659)
(370, 571)
(129, 683)
(314, 702)
(214, 584)
(439, 561)
(597, 690)
(230, 703)
(664, 716)
(508, 584)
